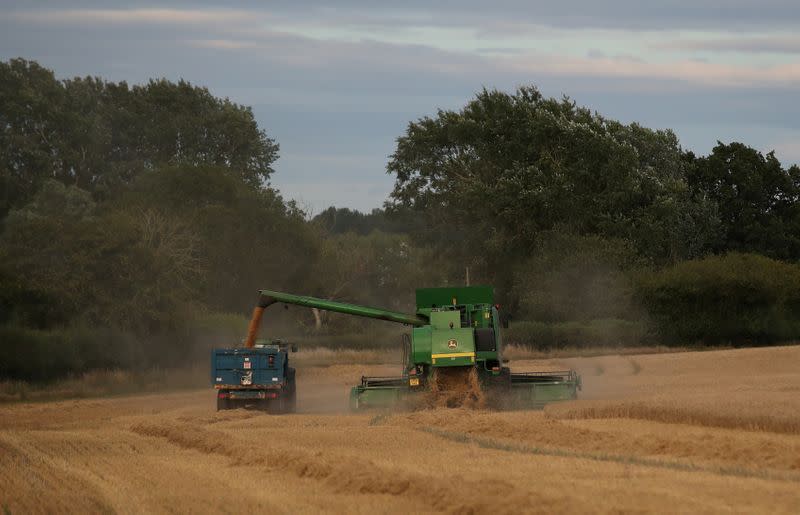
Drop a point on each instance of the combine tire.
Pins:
(498, 390)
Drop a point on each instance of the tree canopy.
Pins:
(497, 176)
(756, 199)
(100, 135)
(137, 223)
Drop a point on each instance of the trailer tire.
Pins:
(291, 403)
(274, 406)
(222, 404)
(265, 405)
(291, 400)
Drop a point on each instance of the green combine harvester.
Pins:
(454, 351)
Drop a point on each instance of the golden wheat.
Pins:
(685, 432)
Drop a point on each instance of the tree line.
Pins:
(599, 231)
(138, 220)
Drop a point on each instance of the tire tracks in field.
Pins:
(495, 444)
(354, 475)
(711, 447)
(673, 414)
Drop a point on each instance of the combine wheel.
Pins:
(498, 389)
(354, 405)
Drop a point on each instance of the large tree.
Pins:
(31, 124)
(506, 168)
(99, 135)
(248, 238)
(109, 267)
(757, 200)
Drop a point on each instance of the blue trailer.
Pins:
(258, 377)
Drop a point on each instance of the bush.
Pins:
(368, 339)
(38, 355)
(610, 332)
(221, 329)
(571, 278)
(735, 298)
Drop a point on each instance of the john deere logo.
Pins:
(452, 344)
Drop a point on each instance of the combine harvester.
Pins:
(454, 353)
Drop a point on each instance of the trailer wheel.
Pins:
(274, 406)
(222, 404)
(291, 400)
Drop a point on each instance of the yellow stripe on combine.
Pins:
(470, 355)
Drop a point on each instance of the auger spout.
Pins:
(269, 297)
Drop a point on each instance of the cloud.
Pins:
(700, 73)
(781, 44)
(224, 44)
(336, 86)
(507, 15)
(132, 16)
(267, 36)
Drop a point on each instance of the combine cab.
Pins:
(453, 354)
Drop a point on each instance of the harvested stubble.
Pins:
(663, 450)
(710, 415)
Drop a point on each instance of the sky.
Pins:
(336, 83)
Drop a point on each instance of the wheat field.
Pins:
(704, 432)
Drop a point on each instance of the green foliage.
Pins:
(610, 332)
(29, 126)
(99, 135)
(379, 269)
(757, 200)
(221, 328)
(735, 298)
(48, 355)
(111, 268)
(137, 223)
(125, 212)
(494, 176)
(343, 220)
(37, 355)
(582, 278)
(246, 237)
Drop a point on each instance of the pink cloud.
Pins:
(133, 16)
(685, 70)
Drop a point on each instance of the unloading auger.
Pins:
(455, 338)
